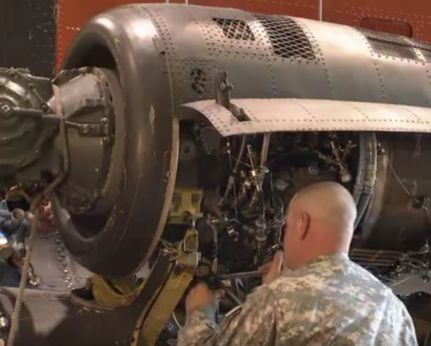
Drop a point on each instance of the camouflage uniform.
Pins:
(331, 301)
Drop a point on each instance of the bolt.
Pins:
(5, 109)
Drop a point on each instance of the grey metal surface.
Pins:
(410, 283)
(54, 266)
(84, 100)
(280, 56)
(25, 131)
(276, 115)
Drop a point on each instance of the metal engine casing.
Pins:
(166, 55)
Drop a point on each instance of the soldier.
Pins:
(320, 297)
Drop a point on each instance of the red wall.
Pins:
(411, 18)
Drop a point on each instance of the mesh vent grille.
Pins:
(287, 38)
(390, 45)
(235, 29)
(396, 50)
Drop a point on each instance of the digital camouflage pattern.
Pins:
(331, 301)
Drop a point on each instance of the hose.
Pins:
(366, 174)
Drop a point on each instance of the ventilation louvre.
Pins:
(396, 50)
(390, 45)
(235, 29)
(287, 37)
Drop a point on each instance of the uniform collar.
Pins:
(335, 257)
(332, 259)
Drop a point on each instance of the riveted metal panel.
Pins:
(292, 115)
(196, 45)
(301, 8)
(386, 15)
(397, 61)
(347, 62)
(297, 76)
(401, 73)
(287, 37)
(295, 58)
(182, 45)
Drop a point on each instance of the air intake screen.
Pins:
(392, 49)
(390, 45)
(287, 38)
(235, 29)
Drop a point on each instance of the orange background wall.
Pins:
(411, 18)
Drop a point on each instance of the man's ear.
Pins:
(304, 225)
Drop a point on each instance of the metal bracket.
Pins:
(115, 292)
(185, 206)
(66, 75)
(223, 88)
(91, 130)
(153, 320)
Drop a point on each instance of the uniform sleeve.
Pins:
(407, 329)
(253, 324)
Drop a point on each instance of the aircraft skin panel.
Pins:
(292, 115)
(337, 55)
(362, 61)
(287, 57)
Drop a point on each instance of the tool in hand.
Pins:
(242, 275)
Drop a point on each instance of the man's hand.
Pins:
(272, 270)
(200, 296)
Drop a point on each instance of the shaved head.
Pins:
(328, 202)
(320, 221)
